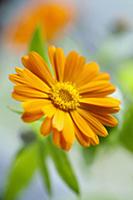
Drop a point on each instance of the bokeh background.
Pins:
(102, 30)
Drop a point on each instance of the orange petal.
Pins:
(32, 80)
(95, 125)
(59, 140)
(51, 53)
(58, 120)
(46, 126)
(35, 63)
(108, 102)
(70, 64)
(64, 144)
(49, 109)
(19, 97)
(59, 63)
(90, 70)
(106, 119)
(83, 139)
(68, 129)
(31, 116)
(95, 87)
(73, 66)
(102, 76)
(99, 109)
(56, 138)
(101, 93)
(28, 92)
(15, 78)
(78, 69)
(34, 105)
(83, 126)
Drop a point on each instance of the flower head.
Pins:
(51, 17)
(75, 100)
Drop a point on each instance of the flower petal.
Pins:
(35, 63)
(95, 125)
(70, 64)
(73, 66)
(106, 119)
(64, 144)
(32, 80)
(56, 138)
(59, 140)
(49, 109)
(68, 129)
(90, 70)
(58, 120)
(95, 87)
(99, 109)
(31, 116)
(83, 126)
(34, 105)
(59, 63)
(83, 139)
(102, 76)
(15, 78)
(51, 53)
(46, 126)
(29, 93)
(108, 102)
(100, 93)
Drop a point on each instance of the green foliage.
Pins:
(21, 172)
(125, 76)
(42, 163)
(37, 44)
(15, 110)
(126, 134)
(89, 154)
(64, 167)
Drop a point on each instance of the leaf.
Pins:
(64, 167)
(125, 76)
(37, 44)
(126, 133)
(14, 110)
(42, 155)
(89, 154)
(21, 172)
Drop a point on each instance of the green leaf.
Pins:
(42, 155)
(37, 44)
(89, 154)
(126, 133)
(14, 110)
(64, 167)
(21, 172)
(125, 75)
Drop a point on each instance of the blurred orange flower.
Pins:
(52, 18)
(75, 101)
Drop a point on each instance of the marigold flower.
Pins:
(75, 100)
(52, 17)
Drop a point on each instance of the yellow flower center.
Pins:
(65, 96)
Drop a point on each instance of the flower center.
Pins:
(65, 96)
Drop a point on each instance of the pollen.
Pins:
(65, 96)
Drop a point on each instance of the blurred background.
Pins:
(101, 30)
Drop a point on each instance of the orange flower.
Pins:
(52, 18)
(75, 100)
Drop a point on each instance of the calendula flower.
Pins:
(75, 100)
(51, 17)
